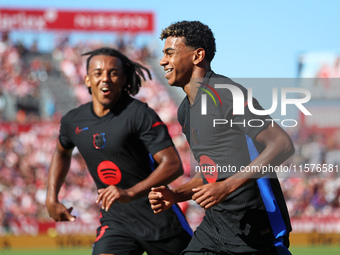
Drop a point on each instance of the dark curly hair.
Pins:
(196, 35)
(132, 70)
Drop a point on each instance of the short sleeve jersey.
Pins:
(118, 149)
(223, 143)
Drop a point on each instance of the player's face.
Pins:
(106, 79)
(177, 61)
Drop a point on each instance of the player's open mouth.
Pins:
(105, 91)
(168, 71)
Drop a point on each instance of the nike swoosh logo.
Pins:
(78, 130)
(157, 124)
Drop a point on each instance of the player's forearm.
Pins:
(55, 181)
(184, 192)
(277, 151)
(167, 171)
(58, 170)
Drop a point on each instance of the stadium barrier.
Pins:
(46, 241)
(39, 235)
(86, 241)
(315, 239)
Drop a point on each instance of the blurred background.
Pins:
(290, 44)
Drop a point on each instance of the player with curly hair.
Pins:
(245, 210)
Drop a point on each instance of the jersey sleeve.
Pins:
(254, 123)
(64, 138)
(152, 130)
(249, 123)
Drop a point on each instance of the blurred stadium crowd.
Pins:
(27, 140)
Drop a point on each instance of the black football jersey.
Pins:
(118, 149)
(223, 143)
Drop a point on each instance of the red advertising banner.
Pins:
(53, 19)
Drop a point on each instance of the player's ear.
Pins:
(199, 56)
(87, 81)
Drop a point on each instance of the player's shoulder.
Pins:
(222, 79)
(138, 106)
(126, 101)
(82, 110)
(214, 79)
(135, 110)
(212, 75)
(135, 102)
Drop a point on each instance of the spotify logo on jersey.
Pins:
(208, 167)
(109, 173)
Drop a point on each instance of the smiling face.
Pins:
(106, 79)
(177, 61)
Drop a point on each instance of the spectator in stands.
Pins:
(26, 140)
(3, 104)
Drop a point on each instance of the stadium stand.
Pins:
(37, 88)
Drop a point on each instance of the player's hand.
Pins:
(161, 199)
(111, 194)
(59, 212)
(210, 194)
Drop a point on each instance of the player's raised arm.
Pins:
(58, 170)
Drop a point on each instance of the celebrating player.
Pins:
(127, 150)
(245, 211)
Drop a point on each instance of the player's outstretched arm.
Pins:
(279, 148)
(58, 170)
(169, 168)
(161, 198)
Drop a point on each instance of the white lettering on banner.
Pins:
(316, 225)
(111, 21)
(21, 20)
(65, 228)
(99, 21)
(82, 21)
(53, 19)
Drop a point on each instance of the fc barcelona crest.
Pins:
(99, 140)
